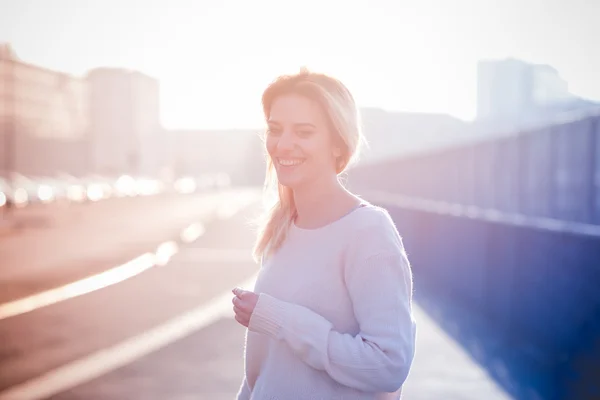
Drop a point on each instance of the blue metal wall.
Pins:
(509, 230)
(550, 172)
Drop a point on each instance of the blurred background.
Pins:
(130, 139)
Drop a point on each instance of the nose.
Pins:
(286, 142)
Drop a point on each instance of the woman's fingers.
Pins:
(241, 303)
(241, 316)
(239, 311)
(241, 320)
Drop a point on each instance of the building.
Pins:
(238, 153)
(46, 103)
(395, 134)
(41, 109)
(512, 88)
(513, 94)
(51, 122)
(126, 134)
(548, 87)
(504, 89)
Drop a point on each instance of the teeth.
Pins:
(288, 162)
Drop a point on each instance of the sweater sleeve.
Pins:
(378, 358)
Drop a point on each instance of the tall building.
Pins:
(514, 95)
(7, 52)
(44, 103)
(52, 122)
(548, 87)
(126, 134)
(40, 109)
(514, 89)
(504, 88)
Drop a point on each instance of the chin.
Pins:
(290, 181)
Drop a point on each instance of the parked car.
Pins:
(14, 193)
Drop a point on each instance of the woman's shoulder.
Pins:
(372, 217)
(373, 230)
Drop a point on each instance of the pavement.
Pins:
(168, 332)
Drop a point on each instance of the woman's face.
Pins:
(299, 141)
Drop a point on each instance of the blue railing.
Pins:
(505, 233)
(551, 171)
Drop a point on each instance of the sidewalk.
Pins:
(442, 369)
(208, 365)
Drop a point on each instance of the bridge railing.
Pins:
(509, 230)
(551, 171)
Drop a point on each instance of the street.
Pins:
(166, 332)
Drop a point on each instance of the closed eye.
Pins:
(272, 131)
(304, 133)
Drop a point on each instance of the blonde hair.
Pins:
(343, 118)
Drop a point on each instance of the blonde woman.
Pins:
(330, 316)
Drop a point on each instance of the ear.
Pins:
(337, 152)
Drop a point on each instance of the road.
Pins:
(168, 332)
(58, 244)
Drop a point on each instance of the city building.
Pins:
(238, 153)
(391, 134)
(504, 88)
(513, 88)
(51, 122)
(513, 94)
(40, 109)
(126, 134)
(548, 87)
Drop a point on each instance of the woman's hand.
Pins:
(244, 302)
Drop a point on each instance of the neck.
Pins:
(320, 202)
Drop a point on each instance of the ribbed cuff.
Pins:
(267, 316)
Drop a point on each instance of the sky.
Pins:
(214, 58)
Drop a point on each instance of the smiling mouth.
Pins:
(290, 162)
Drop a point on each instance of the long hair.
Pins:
(343, 118)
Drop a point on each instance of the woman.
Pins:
(331, 312)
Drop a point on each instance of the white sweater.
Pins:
(334, 316)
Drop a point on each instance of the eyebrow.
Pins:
(297, 125)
